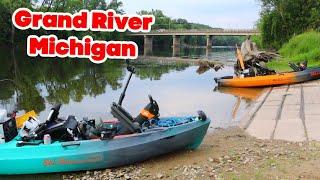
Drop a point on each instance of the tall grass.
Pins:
(302, 47)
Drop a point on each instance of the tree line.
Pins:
(164, 22)
(9, 34)
(280, 20)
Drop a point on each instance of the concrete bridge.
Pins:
(176, 34)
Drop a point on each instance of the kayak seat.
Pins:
(126, 120)
(294, 67)
(301, 66)
(63, 130)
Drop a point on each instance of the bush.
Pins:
(302, 47)
(305, 46)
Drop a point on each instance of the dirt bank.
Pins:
(225, 154)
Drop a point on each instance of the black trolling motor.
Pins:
(130, 124)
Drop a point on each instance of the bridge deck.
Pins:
(200, 32)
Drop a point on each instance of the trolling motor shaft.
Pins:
(131, 69)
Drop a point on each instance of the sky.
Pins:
(235, 14)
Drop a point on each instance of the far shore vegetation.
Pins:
(290, 27)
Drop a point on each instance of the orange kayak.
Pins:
(270, 80)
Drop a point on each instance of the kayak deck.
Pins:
(271, 80)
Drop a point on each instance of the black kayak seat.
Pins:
(294, 67)
(301, 66)
(125, 118)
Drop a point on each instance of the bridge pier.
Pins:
(175, 45)
(209, 41)
(148, 43)
(208, 52)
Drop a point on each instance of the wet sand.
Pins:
(225, 154)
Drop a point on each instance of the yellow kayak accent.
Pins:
(23, 118)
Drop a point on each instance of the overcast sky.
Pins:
(216, 13)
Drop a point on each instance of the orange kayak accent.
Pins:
(240, 58)
(271, 80)
(246, 93)
(147, 114)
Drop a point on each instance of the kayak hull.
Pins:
(99, 154)
(271, 80)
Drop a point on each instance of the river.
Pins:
(87, 90)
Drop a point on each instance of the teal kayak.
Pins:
(179, 133)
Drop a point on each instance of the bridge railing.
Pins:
(205, 31)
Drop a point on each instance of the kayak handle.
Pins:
(72, 143)
(169, 137)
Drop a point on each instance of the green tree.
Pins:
(8, 33)
(282, 19)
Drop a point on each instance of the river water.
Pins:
(87, 90)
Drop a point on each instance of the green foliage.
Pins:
(305, 46)
(227, 40)
(282, 19)
(302, 47)
(164, 22)
(7, 7)
(258, 40)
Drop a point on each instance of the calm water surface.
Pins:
(215, 53)
(87, 90)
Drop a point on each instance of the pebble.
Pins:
(127, 177)
(213, 168)
(246, 161)
(160, 176)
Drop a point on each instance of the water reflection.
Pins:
(214, 53)
(250, 94)
(247, 95)
(86, 89)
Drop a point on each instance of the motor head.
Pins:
(202, 116)
(131, 69)
(54, 113)
(150, 111)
